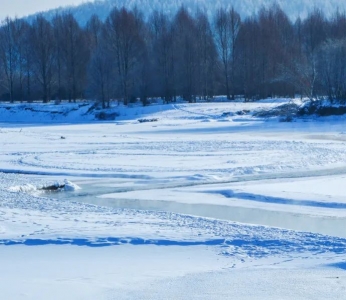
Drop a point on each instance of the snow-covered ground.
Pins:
(206, 202)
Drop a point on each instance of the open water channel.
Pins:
(91, 192)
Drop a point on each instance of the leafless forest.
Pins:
(129, 57)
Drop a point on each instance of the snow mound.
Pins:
(70, 186)
(26, 188)
(67, 186)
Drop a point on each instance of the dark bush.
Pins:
(103, 116)
(315, 108)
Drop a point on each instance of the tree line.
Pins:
(129, 57)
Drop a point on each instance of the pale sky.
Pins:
(22, 8)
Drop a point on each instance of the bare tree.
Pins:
(101, 75)
(314, 32)
(59, 41)
(276, 50)
(249, 39)
(102, 66)
(207, 55)
(27, 60)
(163, 54)
(9, 55)
(227, 24)
(185, 39)
(123, 35)
(73, 55)
(337, 27)
(93, 30)
(42, 40)
(332, 67)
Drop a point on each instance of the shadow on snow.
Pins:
(252, 247)
(277, 200)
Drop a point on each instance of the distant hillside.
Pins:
(293, 8)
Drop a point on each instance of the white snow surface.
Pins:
(203, 203)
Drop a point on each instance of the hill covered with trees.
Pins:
(246, 8)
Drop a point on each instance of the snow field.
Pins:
(156, 209)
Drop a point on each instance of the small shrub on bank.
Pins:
(104, 116)
(322, 109)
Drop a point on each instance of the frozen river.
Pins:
(97, 194)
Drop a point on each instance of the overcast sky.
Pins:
(22, 8)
